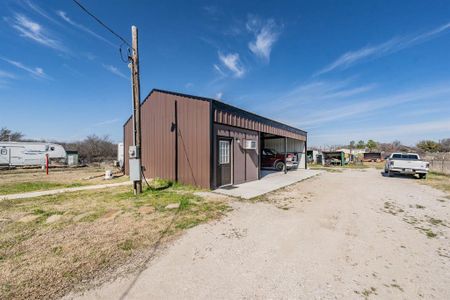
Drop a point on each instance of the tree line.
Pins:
(396, 146)
(91, 149)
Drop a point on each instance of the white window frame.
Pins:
(224, 152)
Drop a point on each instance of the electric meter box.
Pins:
(133, 152)
(135, 172)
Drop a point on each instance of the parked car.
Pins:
(406, 163)
(273, 159)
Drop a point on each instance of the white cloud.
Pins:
(36, 72)
(266, 34)
(34, 31)
(219, 70)
(36, 9)
(364, 107)
(317, 93)
(90, 56)
(370, 52)
(115, 71)
(219, 95)
(7, 75)
(233, 63)
(212, 11)
(63, 15)
(421, 130)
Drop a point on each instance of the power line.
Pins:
(101, 22)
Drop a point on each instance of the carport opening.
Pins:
(279, 153)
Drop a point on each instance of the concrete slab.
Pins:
(271, 181)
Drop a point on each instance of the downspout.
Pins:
(176, 141)
(212, 169)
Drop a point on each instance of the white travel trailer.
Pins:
(29, 153)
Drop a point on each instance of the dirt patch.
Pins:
(344, 236)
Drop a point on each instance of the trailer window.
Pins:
(3, 151)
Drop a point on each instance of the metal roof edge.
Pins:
(227, 107)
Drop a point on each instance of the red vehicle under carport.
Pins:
(270, 158)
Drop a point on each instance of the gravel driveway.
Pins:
(348, 235)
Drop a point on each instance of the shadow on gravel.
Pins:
(399, 176)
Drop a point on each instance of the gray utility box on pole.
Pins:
(135, 173)
(135, 164)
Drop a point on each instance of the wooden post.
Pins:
(137, 185)
(285, 155)
(46, 163)
(306, 152)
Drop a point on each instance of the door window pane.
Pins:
(224, 152)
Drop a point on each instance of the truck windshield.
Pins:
(405, 156)
(269, 152)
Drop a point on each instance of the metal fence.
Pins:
(439, 162)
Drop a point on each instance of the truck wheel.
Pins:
(422, 176)
(279, 166)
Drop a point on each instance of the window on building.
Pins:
(224, 152)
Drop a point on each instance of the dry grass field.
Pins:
(51, 244)
(28, 180)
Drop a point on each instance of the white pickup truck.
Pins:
(406, 163)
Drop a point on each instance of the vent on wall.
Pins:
(250, 145)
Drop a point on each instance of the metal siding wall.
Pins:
(158, 141)
(193, 142)
(238, 157)
(227, 118)
(252, 158)
(245, 162)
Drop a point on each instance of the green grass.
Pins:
(23, 187)
(435, 221)
(355, 166)
(158, 198)
(428, 232)
(127, 245)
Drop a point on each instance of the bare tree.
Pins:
(8, 135)
(445, 145)
(94, 149)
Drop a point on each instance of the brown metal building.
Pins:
(217, 144)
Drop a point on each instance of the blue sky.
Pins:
(342, 70)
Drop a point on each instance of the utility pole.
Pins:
(135, 152)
